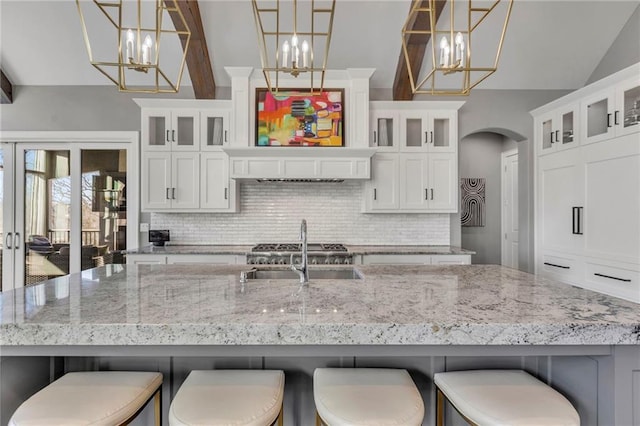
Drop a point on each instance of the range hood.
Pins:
(307, 164)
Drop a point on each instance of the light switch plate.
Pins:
(144, 227)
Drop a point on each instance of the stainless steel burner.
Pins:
(318, 254)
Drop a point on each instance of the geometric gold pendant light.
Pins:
(132, 42)
(464, 41)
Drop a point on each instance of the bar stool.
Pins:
(229, 397)
(501, 397)
(366, 396)
(91, 398)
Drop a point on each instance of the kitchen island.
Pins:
(174, 318)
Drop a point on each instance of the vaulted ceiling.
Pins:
(549, 44)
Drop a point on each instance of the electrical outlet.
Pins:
(144, 227)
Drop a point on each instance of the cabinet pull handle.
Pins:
(431, 137)
(225, 194)
(225, 136)
(612, 278)
(551, 138)
(426, 193)
(375, 194)
(431, 194)
(173, 193)
(375, 138)
(6, 240)
(608, 120)
(173, 135)
(16, 241)
(167, 194)
(615, 118)
(557, 140)
(167, 140)
(576, 220)
(426, 137)
(557, 266)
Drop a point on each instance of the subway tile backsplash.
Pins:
(271, 212)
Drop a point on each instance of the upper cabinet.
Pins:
(170, 129)
(612, 112)
(556, 130)
(214, 129)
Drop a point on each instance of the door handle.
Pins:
(426, 193)
(551, 138)
(431, 194)
(173, 193)
(375, 194)
(608, 120)
(173, 135)
(6, 240)
(167, 194)
(426, 137)
(225, 193)
(615, 117)
(167, 139)
(375, 137)
(431, 137)
(225, 137)
(16, 241)
(612, 278)
(557, 131)
(576, 220)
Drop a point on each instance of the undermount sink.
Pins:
(314, 274)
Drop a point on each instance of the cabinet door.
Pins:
(156, 181)
(442, 128)
(156, 130)
(597, 117)
(146, 259)
(612, 199)
(443, 182)
(545, 132)
(560, 195)
(214, 182)
(627, 113)
(214, 129)
(384, 182)
(567, 122)
(414, 131)
(185, 179)
(185, 130)
(451, 259)
(384, 133)
(413, 181)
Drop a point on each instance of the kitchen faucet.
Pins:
(303, 268)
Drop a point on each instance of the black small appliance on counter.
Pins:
(158, 237)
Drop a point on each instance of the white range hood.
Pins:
(299, 163)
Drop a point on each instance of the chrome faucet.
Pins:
(303, 268)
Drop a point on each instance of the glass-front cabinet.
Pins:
(171, 130)
(558, 129)
(427, 131)
(384, 132)
(214, 129)
(611, 113)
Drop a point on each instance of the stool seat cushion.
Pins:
(88, 398)
(501, 397)
(228, 397)
(367, 397)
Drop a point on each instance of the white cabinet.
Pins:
(146, 259)
(166, 129)
(214, 129)
(588, 198)
(612, 112)
(416, 167)
(183, 166)
(415, 259)
(217, 191)
(170, 181)
(185, 259)
(557, 130)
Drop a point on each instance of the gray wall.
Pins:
(624, 52)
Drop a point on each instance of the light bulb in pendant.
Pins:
(285, 53)
(146, 50)
(444, 47)
(305, 51)
(130, 41)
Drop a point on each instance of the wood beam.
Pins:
(416, 48)
(198, 62)
(6, 94)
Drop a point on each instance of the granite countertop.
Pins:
(245, 249)
(391, 305)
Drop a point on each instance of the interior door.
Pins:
(7, 155)
(510, 209)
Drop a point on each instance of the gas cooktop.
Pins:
(280, 247)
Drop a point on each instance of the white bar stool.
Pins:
(502, 397)
(229, 397)
(103, 398)
(366, 396)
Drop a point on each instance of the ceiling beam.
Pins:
(416, 48)
(6, 94)
(198, 62)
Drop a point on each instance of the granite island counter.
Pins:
(423, 318)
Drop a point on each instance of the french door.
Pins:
(64, 208)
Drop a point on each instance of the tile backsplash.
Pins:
(272, 212)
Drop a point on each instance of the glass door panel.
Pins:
(413, 132)
(47, 214)
(567, 128)
(5, 252)
(441, 136)
(547, 134)
(631, 107)
(104, 207)
(597, 115)
(384, 135)
(158, 130)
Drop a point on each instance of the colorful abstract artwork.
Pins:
(473, 201)
(294, 118)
